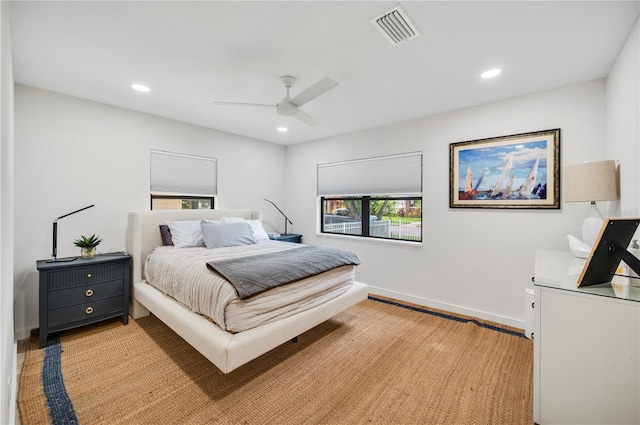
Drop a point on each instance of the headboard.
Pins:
(143, 235)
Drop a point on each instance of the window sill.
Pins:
(355, 238)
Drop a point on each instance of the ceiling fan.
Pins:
(291, 107)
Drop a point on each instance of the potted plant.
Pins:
(87, 245)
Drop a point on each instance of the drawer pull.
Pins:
(89, 310)
(89, 292)
(89, 276)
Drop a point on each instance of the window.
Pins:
(389, 217)
(160, 202)
(180, 181)
(375, 197)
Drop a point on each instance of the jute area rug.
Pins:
(377, 362)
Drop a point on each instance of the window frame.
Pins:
(365, 220)
(152, 197)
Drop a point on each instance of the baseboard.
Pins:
(23, 334)
(425, 302)
(13, 384)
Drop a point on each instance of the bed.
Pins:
(226, 350)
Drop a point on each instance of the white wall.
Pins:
(473, 261)
(7, 337)
(70, 153)
(623, 123)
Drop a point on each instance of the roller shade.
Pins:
(180, 174)
(386, 175)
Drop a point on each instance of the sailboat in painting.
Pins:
(468, 187)
(475, 188)
(470, 191)
(530, 182)
(497, 189)
(507, 189)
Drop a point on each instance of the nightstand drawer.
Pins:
(85, 293)
(83, 275)
(84, 313)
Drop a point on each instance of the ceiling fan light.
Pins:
(287, 109)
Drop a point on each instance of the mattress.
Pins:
(182, 274)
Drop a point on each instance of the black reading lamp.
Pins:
(54, 255)
(285, 217)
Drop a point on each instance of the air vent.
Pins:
(396, 26)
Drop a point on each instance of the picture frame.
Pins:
(608, 250)
(506, 172)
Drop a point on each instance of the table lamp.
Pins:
(591, 182)
(54, 254)
(286, 219)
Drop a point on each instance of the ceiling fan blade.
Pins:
(241, 104)
(307, 119)
(314, 91)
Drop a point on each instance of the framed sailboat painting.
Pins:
(516, 171)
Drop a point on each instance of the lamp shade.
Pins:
(591, 181)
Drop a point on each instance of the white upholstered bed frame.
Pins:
(225, 350)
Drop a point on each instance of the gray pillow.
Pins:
(165, 234)
(224, 235)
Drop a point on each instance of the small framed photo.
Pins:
(516, 171)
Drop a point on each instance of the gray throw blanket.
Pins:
(254, 274)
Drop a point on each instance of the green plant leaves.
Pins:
(87, 242)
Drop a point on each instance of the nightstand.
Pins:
(291, 237)
(76, 293)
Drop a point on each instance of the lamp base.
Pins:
(591, 225)
(62, 260)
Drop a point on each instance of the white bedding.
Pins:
(182, 274)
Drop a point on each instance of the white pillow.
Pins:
(186, 233)
(224, 235)
(259, 234)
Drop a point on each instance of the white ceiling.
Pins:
(191, 53)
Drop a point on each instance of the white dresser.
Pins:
(586, 346)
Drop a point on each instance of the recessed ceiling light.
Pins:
(491, 73)
(141, 88)
(283, 129)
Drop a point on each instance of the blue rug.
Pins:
(450, 317)
(60, 406)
